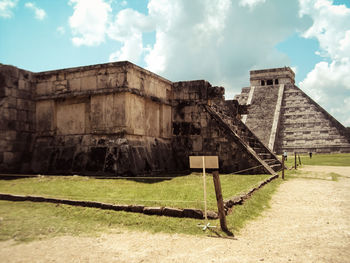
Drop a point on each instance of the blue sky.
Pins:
(216, 40)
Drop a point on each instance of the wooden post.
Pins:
(220, 202)
(299, 159)
(204, 191)
(295, 160)
(283, 167)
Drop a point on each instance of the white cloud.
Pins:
(61, 30)
(89, 21)
(250, 3)
(40, 13)
(329, 82)
(6, 7)
(127, 28)
(219, 40)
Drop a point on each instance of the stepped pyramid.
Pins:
(284, 118)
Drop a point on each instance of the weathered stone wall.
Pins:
(17, 126)
(273, 76)
(197, 133)
(119, 119)
(261, 111)
(108, 119)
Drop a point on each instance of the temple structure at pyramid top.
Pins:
(286, 119)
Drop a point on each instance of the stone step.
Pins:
(259, 150)
(271, 161)
(276, 167)
(264, 155)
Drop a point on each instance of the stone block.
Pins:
(153, 210)
(22, 84)
(88, 73)
(60, 86)
(45, 115)
(188, 117)
(174, 212)
(24, 94)
(197, 143)
(212, 215)
(10, 135)
(23, 104)
(102, 81)
(7, 91)
(113, 81)
(22, 115)
(19, 126)
(193, 213)
(9, 157)
(10, 102)
(121, 208)
(70, 118)
(115, 69)
(74, 84)
(5, 146)
(9, 113)
(137, 208)
(61, 76)
(89, 83)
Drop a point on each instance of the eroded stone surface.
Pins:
(118, 119)
(301, 126)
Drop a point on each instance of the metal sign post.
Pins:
(211, 162)
(204, 191)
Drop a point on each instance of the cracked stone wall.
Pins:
(115, 119)
(111, 119)
(195, 132)
(17, 125)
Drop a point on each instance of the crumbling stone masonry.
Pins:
(286, 119)
(118, 119)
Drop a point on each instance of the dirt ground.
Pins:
(309, 221)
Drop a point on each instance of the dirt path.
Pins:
(309, 221)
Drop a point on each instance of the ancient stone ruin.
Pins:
(118, 119)
(284, 118)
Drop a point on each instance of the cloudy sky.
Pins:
(216, 40)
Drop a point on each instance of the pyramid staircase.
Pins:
(306, 127)
(241, 134)
(286, 119)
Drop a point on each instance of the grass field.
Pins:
(180, 192)
(337, 159)
(24, 221)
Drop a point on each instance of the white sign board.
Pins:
(210, 162)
